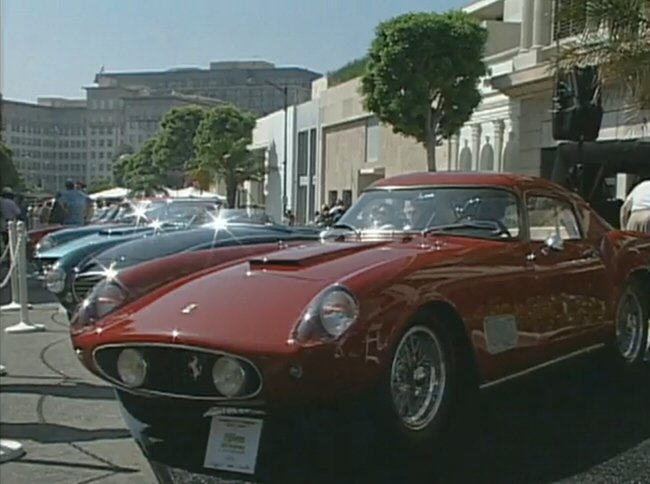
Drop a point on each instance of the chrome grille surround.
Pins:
(175, 354)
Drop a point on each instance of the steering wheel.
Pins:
(502, 229)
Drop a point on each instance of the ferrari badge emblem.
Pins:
(195, 367)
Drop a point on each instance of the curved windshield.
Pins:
(467, 210)
(244, 215)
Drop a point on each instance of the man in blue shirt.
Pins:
(76, 205)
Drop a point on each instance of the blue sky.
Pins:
(54, 47)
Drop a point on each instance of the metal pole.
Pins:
(285, 91)
(23, 325)
(22, 273)
(14, 305)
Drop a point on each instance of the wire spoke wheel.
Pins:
(418, 378)
(630, 327)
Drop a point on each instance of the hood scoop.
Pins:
(306, 255)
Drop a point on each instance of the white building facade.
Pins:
(511, 130)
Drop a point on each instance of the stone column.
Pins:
(539, 22)
(476, 146)
(454, 145)
(526, 38)
(499, 127)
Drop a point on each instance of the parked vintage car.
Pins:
(114, 260)
(122, 215)
(429, 286)
(57, 264)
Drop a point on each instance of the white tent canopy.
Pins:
(191, 192)
(116, 192)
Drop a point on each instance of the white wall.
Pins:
(269, 133)
(512, 10)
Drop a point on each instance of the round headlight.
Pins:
(46, 243)
(132, 368)
(228, 376)
(105, 298)
(338, 309)
(55, 280)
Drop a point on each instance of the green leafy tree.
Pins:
(174, 149)
(9, 176)
(138, 172)
(616, 38)
(351, 70)
(422, 75)
(221, 144)
(99, 185)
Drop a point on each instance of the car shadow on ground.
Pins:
(550, 427)
(48, 433)
(80, 390)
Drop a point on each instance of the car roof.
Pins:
(478, 178)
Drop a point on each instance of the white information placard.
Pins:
(233, 444)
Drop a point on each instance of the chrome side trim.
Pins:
(541, 366)
(144, 392)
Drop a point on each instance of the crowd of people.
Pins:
(71, 206)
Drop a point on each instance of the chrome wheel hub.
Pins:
(630, 327)
(418, 378)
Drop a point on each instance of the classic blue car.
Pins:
(57, 263)
(112, 261)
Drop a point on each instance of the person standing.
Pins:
(75, 205)
(9, 211)
(635, 213)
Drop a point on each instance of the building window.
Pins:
(332, 197)
(303, 150)
(347, 197)
(312, 152)
(372, 139)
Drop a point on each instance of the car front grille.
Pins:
(43, 264)
(177, 371)
(83, 284)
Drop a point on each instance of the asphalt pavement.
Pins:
(573, 424)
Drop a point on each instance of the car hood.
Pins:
(117, 235)
(221, 308)
(71, 233)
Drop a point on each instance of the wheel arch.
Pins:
(444, 311)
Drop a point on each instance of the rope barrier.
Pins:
(12, 266)
(4, 254)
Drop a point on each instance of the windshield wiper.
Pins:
(469, 224)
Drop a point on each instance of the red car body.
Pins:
(250, 302)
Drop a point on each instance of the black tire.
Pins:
(634, 299)
(435, 434)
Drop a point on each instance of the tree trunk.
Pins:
(431, 142)
(231, 193)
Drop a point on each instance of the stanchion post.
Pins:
(23, 325)
(12, 233)
(22, 273)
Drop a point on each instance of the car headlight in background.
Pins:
(55, 279)
(105, 298)
(46, 243)
(132, 367)
(229, 376)
(102, 300)
(328, 316)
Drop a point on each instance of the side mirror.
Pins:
(554, 243)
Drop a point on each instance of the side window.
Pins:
(549, 216)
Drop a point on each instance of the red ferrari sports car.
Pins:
(429, 286)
